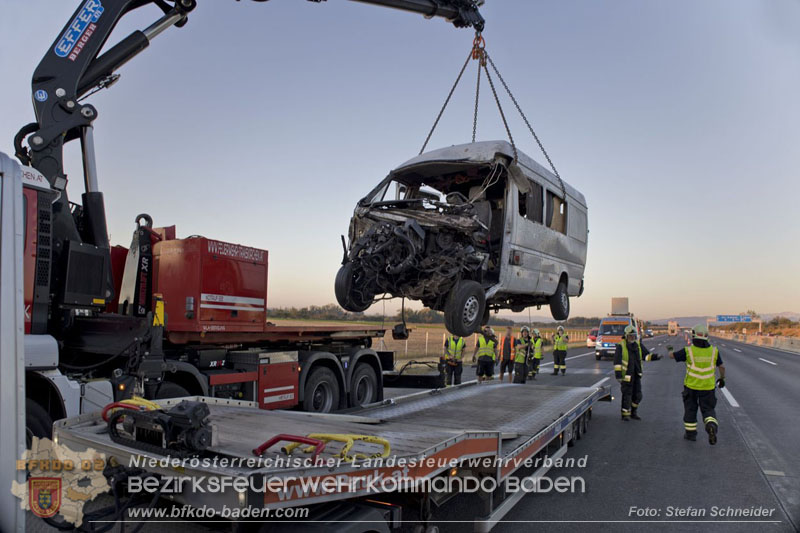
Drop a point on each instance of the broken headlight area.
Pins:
(403, 259)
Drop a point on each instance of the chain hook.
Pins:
(479, 48)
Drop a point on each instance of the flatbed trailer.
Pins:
(487, 431)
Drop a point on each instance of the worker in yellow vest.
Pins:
(628, 359)
(507, 353)
(560, 341)
(702, 360)
(535, 354)
(486, 352)
(453, 356)
(521, 355)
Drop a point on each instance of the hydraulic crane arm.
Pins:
(71, 68)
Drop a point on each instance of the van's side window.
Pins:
(530, 204)
(556, 213)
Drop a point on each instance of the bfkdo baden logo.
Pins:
(44, 496)
(59, 481)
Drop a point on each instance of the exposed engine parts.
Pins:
(402, 259)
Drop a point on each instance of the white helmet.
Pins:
(700, 331)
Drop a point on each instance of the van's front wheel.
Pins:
(559, 302)
(465, 308)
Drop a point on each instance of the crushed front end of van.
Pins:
(436, 230)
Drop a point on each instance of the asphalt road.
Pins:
(642, 474)
(642, 471)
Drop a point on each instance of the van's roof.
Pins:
(485, 152)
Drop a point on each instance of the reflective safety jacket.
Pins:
(511, 341)
(537, 348)
(621, 370)
(560, 342)
(485, 347)
(701, 364)
(522, 352)
(455, 348)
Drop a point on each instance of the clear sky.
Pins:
(264, 123)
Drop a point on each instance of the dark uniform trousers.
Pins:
(454, 373)
(706, 400)
(631, 394)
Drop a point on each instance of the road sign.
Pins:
(734, 318)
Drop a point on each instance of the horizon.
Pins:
(684, 148)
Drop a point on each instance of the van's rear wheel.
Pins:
(559, 302)
(321, 391)
(465, 308)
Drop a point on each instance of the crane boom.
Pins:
(72, 67)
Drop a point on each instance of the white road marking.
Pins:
(729, 397)
(568, 358)
(598, 383)
(774, 473)
(770, 362)
(737, 350)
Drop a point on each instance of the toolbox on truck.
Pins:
(210, 285)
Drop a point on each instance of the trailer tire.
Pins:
(465, 308)
(168, 389)
(37, 422)
(559, 302)
(321, 391)
(363, 386)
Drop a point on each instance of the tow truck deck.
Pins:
(504, 423)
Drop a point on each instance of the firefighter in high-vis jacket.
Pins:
(628, 359)
(560, 341)
(453, 359)
(702, 360)
(524, 345)
(486, 352)
(535, 355)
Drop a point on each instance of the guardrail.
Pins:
(790, 344)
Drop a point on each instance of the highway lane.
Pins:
(645, 465)
(765, 386)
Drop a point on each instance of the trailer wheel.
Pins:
(37, 422)
(363, 386)
(321, 391)
(465, 308)
(167, 389)
(559, 302)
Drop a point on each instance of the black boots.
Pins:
(634, 415)
(690, 435)
(711, 429)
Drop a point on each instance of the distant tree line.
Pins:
(422, 316)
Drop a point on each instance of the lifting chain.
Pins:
(479, 53)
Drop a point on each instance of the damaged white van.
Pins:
(466, 230)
